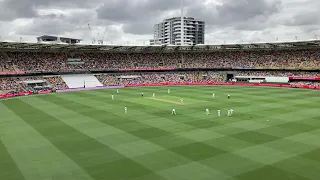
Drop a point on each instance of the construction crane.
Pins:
(102, 38)
(93, 37)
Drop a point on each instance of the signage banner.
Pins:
(15, 94)
(144, 69)
(304, 78)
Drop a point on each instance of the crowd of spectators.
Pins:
(60, 61)
(5, 64)
(18, 84)
(305, 83)
(278, 73)
(57, 82)
(11, 85)
(163, 77)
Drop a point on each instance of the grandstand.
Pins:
(254, 62)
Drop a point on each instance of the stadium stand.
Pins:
(57, 82)
(46, 65)
(162, 77)
(262, 59)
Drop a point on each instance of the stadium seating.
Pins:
(57, 82)
(113, 79)
(51, 61)
(30, 62)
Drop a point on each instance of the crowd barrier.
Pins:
(3, 96)
(145, 69)
(44, 92)
(223, 84)
(11, 73)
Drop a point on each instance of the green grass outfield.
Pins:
(274, 134)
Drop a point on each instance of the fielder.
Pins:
(168, 91)
(219, 112)
(207, 111)
(142, 94)
(230, 111)
(228, 96)
(213, 95)
(125, 110)
(112, 97)
(181, 100)
(153, 95)
(174, 111)
(117, 90)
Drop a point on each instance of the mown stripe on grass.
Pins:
(95, 129)
(9, 169)
(97, 159)
(151, 134)
(34, 155)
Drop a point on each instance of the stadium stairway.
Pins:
(80, 81)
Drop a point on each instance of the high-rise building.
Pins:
(169, 32)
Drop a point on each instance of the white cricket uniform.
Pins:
(207, 111)
(213, 95)
(229, 112)
(112, 97)
(219, 113)
(153, 95)
(168, 91)
(174, 111)
(181, 100)
(125, 110)
(117, 90)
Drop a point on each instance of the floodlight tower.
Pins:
(182, 24)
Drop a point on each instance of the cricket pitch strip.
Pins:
(168, 101)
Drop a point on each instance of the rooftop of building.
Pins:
(159, 48)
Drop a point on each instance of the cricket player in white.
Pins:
(229, 112)
(174, 111)
(207, 111)
(112, 97)
(168, 91)
(125, 110)
(213, 95)
(219, 112)
(153, 95)
(117, 90)
(181, 100)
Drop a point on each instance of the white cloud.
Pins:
(131, 21)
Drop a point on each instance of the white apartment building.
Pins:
(169, 32)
